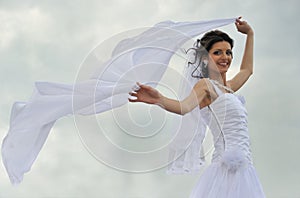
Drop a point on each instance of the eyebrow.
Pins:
(222, 49)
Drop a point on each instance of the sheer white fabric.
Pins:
(186, 154)
(31, 121)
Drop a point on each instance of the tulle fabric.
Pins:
(219, 182)
(187, 153)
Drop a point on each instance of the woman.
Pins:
(231, 173)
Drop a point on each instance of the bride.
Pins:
(231, 174)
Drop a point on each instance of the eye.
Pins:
(218, 52)
(229, 53)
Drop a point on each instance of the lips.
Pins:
(223, 64)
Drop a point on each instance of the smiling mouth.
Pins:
(223, 64)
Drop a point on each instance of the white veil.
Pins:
(186, 154)
(32, 121)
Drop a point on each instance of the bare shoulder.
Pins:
(204, 89)
(205, 85)
(202, 84)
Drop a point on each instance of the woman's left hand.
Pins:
(243, 26)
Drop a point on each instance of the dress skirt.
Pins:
(218, 181)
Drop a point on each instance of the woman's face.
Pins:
(220, 57)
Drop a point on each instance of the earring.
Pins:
(204, 64)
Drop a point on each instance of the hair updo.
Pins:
(213, 37)
(202, 47)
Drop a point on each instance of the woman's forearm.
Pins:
(246, 68)
(184, 106)
(171, 105)
(247, 61)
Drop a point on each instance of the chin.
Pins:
(223, 70)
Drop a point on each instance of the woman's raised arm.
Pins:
(246, 68)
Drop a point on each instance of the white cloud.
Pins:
(31, 23)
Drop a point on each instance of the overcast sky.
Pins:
(47, 41)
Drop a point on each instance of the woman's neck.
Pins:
(221, 78)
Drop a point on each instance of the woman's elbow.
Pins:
(186, 109)
(182, 113)
(251, 72)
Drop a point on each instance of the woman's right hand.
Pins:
(243, 26)
(145, 94)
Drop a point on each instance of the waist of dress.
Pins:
(232, 140)
(236, 146)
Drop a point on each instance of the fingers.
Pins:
(136, 87)
(132, 99)
(238, 21)
(133, 93)
(146, 87)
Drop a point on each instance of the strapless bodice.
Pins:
(226, 117)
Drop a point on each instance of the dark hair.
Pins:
(213, 37)
(202, 47)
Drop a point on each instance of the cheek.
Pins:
(230, 61)
(213, 60)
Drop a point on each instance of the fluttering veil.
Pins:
(186, 154)
(144, 58)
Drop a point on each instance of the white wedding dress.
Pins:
(231, 173)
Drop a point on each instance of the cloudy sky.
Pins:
(47, 41)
